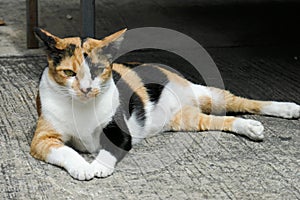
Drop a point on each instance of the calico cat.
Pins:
(86, 102)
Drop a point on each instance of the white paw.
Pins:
(290, 110)
(81, 171)
(101, 170)
(282, 109)
(248, 127)
(69, 159)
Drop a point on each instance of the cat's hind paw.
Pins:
(282, 109)
(251, 128)
(291, 111)
(101, 170)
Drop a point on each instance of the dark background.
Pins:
(214, 23)
(255, 43)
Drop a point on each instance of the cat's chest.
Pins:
(80, 123)
(66, 115)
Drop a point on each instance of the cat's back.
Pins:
(148, 85)
(150, 81)
(151, 94)
(152, 78)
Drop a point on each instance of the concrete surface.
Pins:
(208, 165)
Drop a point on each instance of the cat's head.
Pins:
(80, 67)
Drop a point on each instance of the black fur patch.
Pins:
(153, 79)
(115, 137)
(48, 40)
(136, 105)
(57, 55)
(130, 101)
(154, 91)
(132, 64)
(95, 68)
(82, 40)
(116, 76)
(85, 55)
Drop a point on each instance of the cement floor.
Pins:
(207, 165)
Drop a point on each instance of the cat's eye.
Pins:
(69, 73)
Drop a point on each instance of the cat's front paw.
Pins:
(81, 171)
(250, 128)
(101, 170)
(282, 109)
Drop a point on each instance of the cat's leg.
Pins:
(222, 100)
(115, 143)
(48, 145)
(191, 119)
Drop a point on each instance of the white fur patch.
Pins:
(173, 98)
(80, 121)
(69, 159)
(104, 164)
(86, 81)
(248, 127)
(137, 132)
(282, 109)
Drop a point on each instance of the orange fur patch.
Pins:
(205, 104)
(64, 43)
(191, 119)
(105, 76)
(175, 77)
(69, 63)
(211, 122)
(133, 80)
(113, 37)
(234, 103)
(91, 43)
(44, 139)
(186, 119)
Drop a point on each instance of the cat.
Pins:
(88, 103)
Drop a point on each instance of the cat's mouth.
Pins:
(85, 97)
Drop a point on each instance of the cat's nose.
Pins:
(86, 90)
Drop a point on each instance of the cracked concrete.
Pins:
(207, 165)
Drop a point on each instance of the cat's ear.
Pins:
(114, 40)
(49, 40)
(111, 44)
